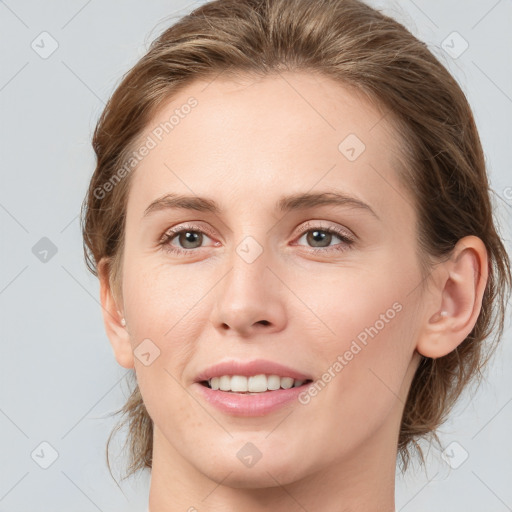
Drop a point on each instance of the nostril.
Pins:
(264, 322)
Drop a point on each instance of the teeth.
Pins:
(254, 384)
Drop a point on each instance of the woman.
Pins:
(291, 224)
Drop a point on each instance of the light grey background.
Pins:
(58, 375)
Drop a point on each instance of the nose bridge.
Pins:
(250, 250)
(247, 279)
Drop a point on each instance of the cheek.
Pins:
(367, 341)
(358, 303)
(166, 307)
(160, 297)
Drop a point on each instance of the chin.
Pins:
(255, 477)
(268, 471)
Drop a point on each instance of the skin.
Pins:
(246, 144)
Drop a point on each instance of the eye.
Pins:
(320, 238)
(188, 237)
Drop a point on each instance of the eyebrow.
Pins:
(300, 201)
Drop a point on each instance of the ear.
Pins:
(116, 332)
(456, 300)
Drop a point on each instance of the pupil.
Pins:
(190, 237)
(319, 236)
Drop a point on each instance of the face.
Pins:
(308, 260)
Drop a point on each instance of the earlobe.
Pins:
(457, 299)
(113, 319)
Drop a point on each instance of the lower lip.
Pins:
(259, 404)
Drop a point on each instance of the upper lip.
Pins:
(249, 368)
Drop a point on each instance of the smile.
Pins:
(253, 384)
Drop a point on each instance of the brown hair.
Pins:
(360, 48)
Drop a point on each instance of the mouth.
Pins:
(253, 385)
(251, 388)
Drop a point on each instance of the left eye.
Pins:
(324, 237)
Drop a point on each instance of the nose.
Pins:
(250, 299)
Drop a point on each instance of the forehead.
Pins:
(257, 137)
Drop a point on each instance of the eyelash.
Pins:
(345, 245)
